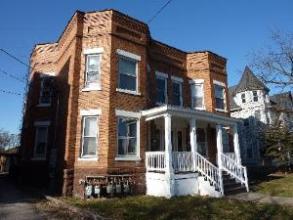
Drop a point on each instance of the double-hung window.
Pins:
(41, 140)
(255, 96)
(197, 96)
(177, 91)
(127, 71)
(93, 70)
(161, 88)
(46, 91)
(127, 137)
(219, 97)
(243, 99)
(89, 136)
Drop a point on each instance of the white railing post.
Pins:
(219, 130)
(236, 144)
(193, 141)
(169, 172)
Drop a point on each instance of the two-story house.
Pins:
(106, 100)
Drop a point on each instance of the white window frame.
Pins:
(37, 125)
(41, 104)
(163, 76)
(193, 82)
(133, 57)
(136, 116)
(179, 81)
(90, 113)
(222, 84)
(92, 52)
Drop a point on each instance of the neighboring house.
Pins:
(9, 160)
(108, 101)
(250, 101)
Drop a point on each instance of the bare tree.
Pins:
(274, 64)
(8, 140)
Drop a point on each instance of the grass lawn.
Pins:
(276, 186)
(187, 207)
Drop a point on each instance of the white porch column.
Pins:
(193, 140)
(236, 144)
(219, 144)
(169, 172)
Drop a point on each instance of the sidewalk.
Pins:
(262, 198)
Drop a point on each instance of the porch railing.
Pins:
(209, 171)
(155, 161)
(183, 161)
(236, 170)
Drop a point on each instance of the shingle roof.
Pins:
(283, 101)
(233, 104)
(249, 81)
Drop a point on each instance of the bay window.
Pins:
(197, 98)
(219, 97)
(127, 71)
(89, 136)
(161, 88)
(93, 73)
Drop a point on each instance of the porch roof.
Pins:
(160, 111)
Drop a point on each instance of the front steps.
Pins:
(231, 186)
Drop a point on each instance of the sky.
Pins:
(231, 28)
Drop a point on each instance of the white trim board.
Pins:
(93, 50)
(130, 114)
(89, 112)
(128, 54)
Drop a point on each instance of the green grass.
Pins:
(278, 186)
(187, 207)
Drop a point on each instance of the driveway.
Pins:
(17, 204)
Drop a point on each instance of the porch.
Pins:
(190, 151)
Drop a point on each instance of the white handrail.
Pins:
(236, 170)
(210, 171)
(155, 161)
(182, 161)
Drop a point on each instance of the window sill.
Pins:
(87, 159)
(43, 105)
(91, 88)
(221, 110)
(128, 92)
(129, 158)
(199, 108)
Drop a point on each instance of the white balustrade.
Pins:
(183, 161)
(209, 171)
(155, 161)
(236, 170)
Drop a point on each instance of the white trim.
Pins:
(47, 74)
(90, 112)
(128, 158)
(221, 110)
(196, 81)
(130, 114)
(42, 123)
(128, 91)
(92, 87)
(177, 79)
(93, 158)
(95, 50)
(161, 74)
(128, 54)
(219, 83)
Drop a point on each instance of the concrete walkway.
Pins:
(262, 198)
(16, 203)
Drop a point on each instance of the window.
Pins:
(197, 95)
(41, 141)
(89, 136)
(46, 91)
(177, 93)
(161, 89)
(127, 71)
(92, 76)
(243, 98)
(255, 97)
(219, 97)
(127, 137)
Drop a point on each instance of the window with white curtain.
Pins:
(92, 76)
(197, 100)
(127, 74)
(89, 136)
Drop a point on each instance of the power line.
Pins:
(12, 76)
(159, 11)
(14, 57)
(10, 92)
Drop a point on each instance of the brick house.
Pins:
(102, 98)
